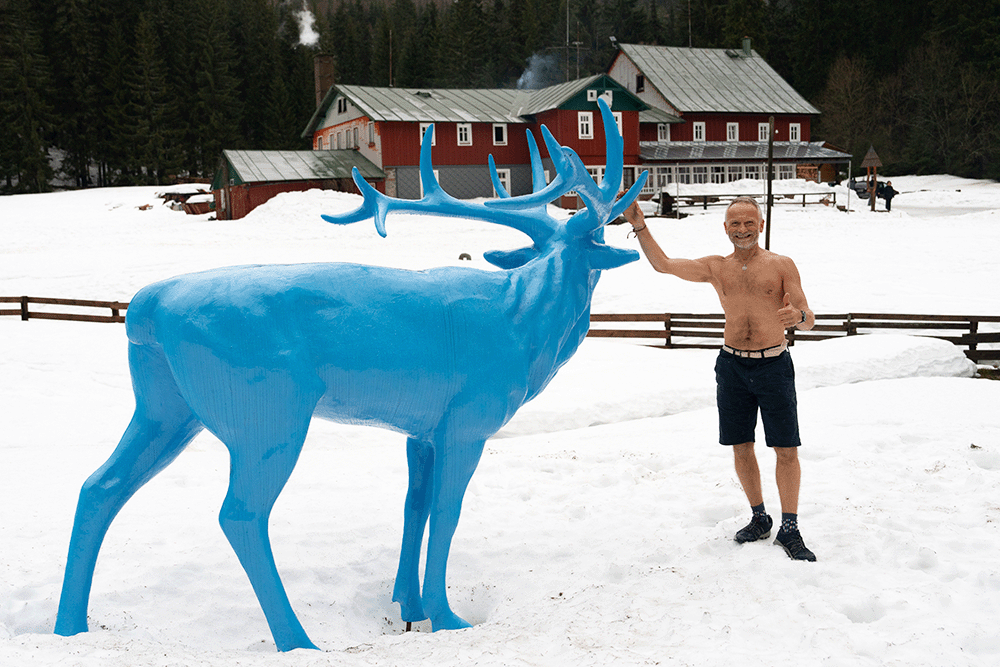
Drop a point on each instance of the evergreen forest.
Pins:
(123, 92)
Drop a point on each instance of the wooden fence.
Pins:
(671, 330)
(800, 198)
(700, 329)
(78, 309)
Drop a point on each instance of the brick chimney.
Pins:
(325, 73)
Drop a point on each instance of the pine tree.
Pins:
(152, 112)
(24, 85)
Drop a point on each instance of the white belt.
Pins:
(757, 354)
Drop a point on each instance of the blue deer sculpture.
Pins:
(445, 356)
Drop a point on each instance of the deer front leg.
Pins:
(454, 463)
(420, 462)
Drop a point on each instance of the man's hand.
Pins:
(634, 215)
(788, 314)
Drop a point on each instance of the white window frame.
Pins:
(763, 131)
(340, 140)
(319, 143)
(663, 131)
(698, 131)
(732, 131)
(466, 129)
(503, 175)
(795, 132)
(503, 131)
(371, 132)
(699, 174)
(423, 128)
(717, 173)
(585, 124)
(356, 145)
(619, 121)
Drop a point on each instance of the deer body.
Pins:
(445, 356)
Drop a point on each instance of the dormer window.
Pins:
(640, 83)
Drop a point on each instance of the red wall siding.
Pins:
(401, 145)
(715, 126)
(563, 125)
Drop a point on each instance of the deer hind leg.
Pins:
(264, 446)
(420, 461)
(454, 463)
(161, 427)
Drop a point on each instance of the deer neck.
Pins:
(552, 295)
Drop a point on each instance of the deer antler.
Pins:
(525, 216)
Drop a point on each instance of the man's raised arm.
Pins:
(695, 270)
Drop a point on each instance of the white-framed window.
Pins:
(699, 174)
(504, 176)
(663, 131)
(794, 132)
(786, 171)
(423, 128)
(499, 134)
(371, 132)
(355, 144)
(718, 173)
(732, 131)
(319, 143)
(640, 83)
(618, 122)
(465, 134)
(340, 140)
(763, 131)
(734, 172)
(342, 105)
(699, 131)
(684, 175)
(753, 171)
(585, 124)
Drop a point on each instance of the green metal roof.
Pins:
(276, 166)
(654, 115)
(462, 105)
(715, 80)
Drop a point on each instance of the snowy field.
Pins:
(598, 527)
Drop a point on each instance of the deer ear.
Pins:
(511, 259)
(606, 257)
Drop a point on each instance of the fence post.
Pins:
(973, 330)
(666, 325)
(24, 309)
(852, 329)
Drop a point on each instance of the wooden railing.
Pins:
(695, 330)
(70, 311)
(670, 330)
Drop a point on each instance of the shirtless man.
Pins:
(761, 295)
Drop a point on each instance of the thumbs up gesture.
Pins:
(788, 314)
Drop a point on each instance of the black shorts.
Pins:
(745, 385)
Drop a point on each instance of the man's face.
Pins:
(744, 225)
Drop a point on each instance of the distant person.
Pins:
(761, 295)
(887, 194)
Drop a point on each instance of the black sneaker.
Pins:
(792, 543)
(759, 528)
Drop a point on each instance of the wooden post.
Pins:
(666, 326)
(24, 309)
(870, 163)
(770, 176)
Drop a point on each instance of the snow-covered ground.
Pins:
(598, 527)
